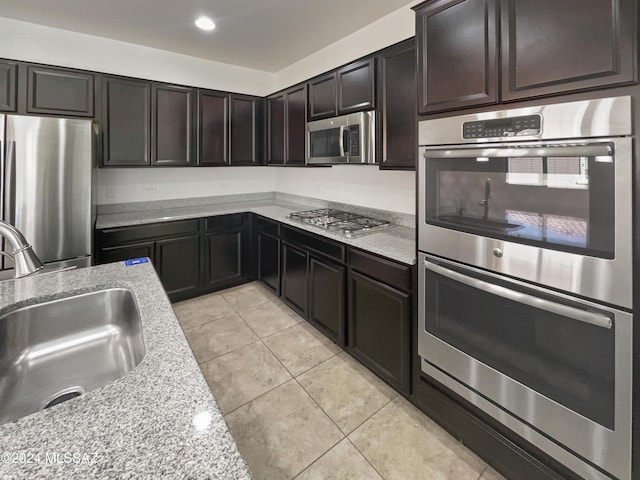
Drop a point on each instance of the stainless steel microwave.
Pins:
(348, 139)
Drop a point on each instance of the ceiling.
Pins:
(261, 34)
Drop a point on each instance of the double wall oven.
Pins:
(525, 273)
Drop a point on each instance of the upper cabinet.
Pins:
(246, 128)
(286, 131)
(457, 54)
(59, 91)
(349, 89)
(481, 52)
(172, 132)
(8, 86)
(567, 45)
(396, 127)
(126, 122)
(213, 128)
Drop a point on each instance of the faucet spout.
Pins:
(25, 260)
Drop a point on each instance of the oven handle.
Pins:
(588, 317)
(529, 151)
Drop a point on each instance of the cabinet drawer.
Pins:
(307, 241)
(267, 226)
(387, 271)
(122, 235)
(225, 222)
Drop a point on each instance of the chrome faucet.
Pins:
(487, 196)
(24, 258)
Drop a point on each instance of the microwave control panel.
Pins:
(503, 127)
(353, 145)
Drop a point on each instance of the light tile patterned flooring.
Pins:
(300, 407)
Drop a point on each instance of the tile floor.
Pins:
(301, 408)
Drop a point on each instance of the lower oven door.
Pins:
(553, 368)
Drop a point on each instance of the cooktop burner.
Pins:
(348, 224)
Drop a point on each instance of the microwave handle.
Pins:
(341, 140)
(591, 318)
(528, 151)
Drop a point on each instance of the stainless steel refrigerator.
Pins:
(46, 173)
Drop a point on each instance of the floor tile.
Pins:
(301, 347)
(342, 462)
(282, 432)
(346, 391)
(491, 474)
(197, 311)
(246, 296)
(242, 375)
(403, 444)
(268, 318)
(219, 337)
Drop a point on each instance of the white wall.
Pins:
(390, 29)
(364, 185)
(40, 44)
(122, 185)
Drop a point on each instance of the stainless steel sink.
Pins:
(53, 351)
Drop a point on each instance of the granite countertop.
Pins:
(158, 421)
(396, 242)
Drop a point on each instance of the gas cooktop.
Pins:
(345, 223)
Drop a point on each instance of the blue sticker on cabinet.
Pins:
(136, 261)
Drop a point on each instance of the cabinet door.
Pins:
(213, 129)
(8, 82)
(225, 256)
(126, 252)
(60, 91)
(327, 298)
(178, 265)
(126, 127)
(397, 112)
(356, 90)
(379, 329)
(457, 45)
(295, 278)
(297, 125)
(172, 114)
(269, 261)
(323, 100)
(245, 126)
(557, 46)
(276, 130)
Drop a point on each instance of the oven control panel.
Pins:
(503, 127)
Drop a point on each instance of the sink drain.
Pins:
(63, 396)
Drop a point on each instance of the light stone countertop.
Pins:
(152, 423)
(396, 242)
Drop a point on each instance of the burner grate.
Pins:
(348, 224)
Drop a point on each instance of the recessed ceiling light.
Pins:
(205, 23)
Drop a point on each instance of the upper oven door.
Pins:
(555, 214)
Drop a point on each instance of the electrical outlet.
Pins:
(111, 192)
(224, 186)
(148, 189)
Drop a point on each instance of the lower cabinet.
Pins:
(177, 261)
(295, 273)
(226, 251)
(327, 281)
(125, 252)
(268, 256)
(380, 329)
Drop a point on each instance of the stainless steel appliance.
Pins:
(46, 167)
(525, 298)
(342, 140)
(345, 223)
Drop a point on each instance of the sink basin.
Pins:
(54, 351)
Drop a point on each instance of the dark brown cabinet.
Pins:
(226, 251)
(567, 45)
(172, 128)
(178, 265)
(287, 120)
(482, 52)
(246, 128)
(8, 86)
(59, 91)
(268, 253)
(213, 128)
(126, 122)
(349, 89)
(397, 135)
(457, 43)
(327, 287)
(126, 252)
(295, 274)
